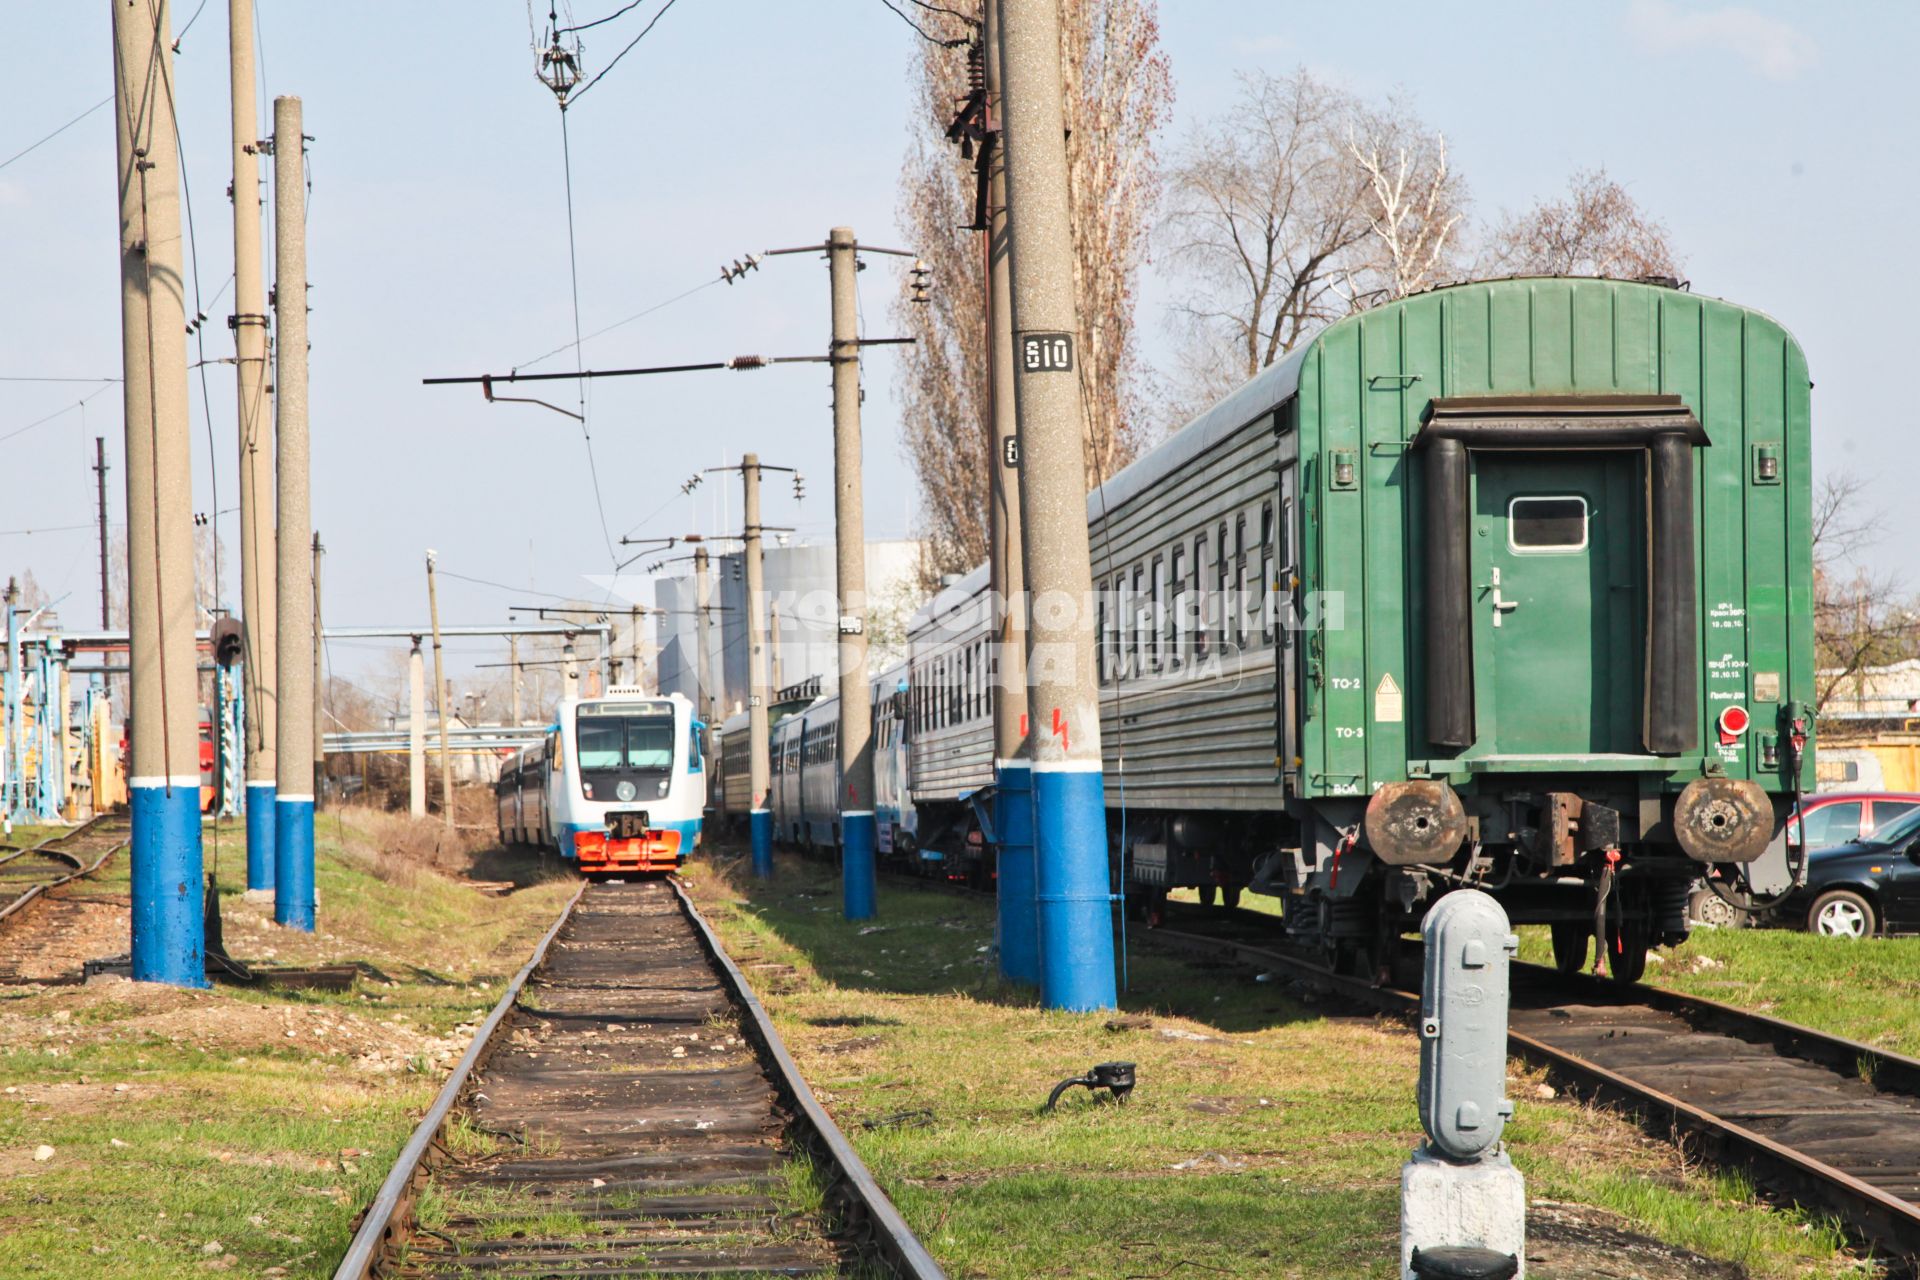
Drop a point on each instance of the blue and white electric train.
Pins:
(618, 784)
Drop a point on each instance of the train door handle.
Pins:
(1500, 606)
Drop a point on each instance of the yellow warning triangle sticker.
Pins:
(1389, 706)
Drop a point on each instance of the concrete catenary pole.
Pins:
(319, 682)
(169, 925)
(440, 696)
(1012, 767)
(100, 483)
(857, 832)
(416, 732)
(759, 766)
(293, 587)
(513, 660)
(257, 567)
(1071, 881)
(703, 661)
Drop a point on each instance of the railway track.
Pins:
(652, 1125)
(1828, 1123)
(27, 873)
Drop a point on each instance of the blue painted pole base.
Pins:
(1019, 923)
(1073, 889)
(169, 909)
(760, 826)
(859, 834)
(293, 862)
(260, 835)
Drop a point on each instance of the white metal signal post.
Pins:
(1072, 887)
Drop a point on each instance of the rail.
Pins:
(378, 1227)
(46, 849)
(867, 1209)
(865, 1215)
(1883, 1220)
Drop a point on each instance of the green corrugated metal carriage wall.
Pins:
(1561, 641)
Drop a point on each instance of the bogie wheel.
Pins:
(1230, 896)
(1570, 945)
(1841, 913)
(1627, 944)
(1206, 892)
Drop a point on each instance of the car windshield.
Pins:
(619, 742)
(1899, 831)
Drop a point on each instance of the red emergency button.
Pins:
(1733, 723)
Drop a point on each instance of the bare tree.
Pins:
(1263, 203)
(1414, 204)
(1597, 230)
(1117, 89)
(1860, 620)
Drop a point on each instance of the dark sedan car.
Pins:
(1863, 887)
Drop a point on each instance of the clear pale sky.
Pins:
(1775, 140)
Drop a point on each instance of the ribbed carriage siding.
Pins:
(1188, 708)
(1364, 386)
(951, 693)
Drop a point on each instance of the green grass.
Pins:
(1866, 990)
(1265, 1137)
(229, 1132)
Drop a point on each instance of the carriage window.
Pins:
(1177, 576)
(1099, 632)
(1200, 595)
(1263, 590)
(1547, 524)
(1135, 644)
(1223, 604)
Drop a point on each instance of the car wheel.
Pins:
(1708, 910)
(1841, 913)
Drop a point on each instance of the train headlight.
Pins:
(663, 787)
(626, 791)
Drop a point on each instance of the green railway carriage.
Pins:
(1544, 546)
(1570, 520)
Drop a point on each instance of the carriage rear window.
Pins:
(1547, 524)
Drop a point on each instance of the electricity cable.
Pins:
(573, 269)
(624, 52)
(926, 35)
(57, 132)
(38, 422)
(566, 346)
(622, 11)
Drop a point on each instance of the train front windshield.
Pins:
(624, 753)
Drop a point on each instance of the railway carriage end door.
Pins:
(1557, 559)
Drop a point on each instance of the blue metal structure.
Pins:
(1018, 913)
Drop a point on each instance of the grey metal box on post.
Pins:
(1463, 1205)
